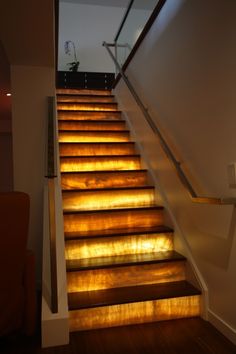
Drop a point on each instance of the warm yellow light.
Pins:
(91, 125)
(139, 312)
(87, 180)
(119, 245)
(84, 98)
(8, 94)
(90, 221)
(95, 200)
(83, 92)
(90, 136)
(96, 149)
(95, 115)
(97, 279)
(100, 163)
(86, 107)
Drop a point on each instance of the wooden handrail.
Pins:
(51, 175)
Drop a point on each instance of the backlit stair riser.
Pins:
(67, 91)
(99, 199)
(119, 245)
(96, 149)
(87, 106)
(103, 180)
(93, 116)
(92, 125)
(78, 164)
(83, 222)
(84, 98)
(89, 136)
(140, 312)
(106, 278)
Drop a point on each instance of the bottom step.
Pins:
(118, 307)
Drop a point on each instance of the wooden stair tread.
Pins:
(94, 131)
(109, 211)
(119, 232)
(97, 121)
(122, 295)
(102, 157)
(123, 261)
(90, 103)
(114, 143)
(65, 191)
(88, 111)
(104, 171)
(84, 95)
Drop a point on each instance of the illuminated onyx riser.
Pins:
(116, 245)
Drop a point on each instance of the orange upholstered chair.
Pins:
(17, 266)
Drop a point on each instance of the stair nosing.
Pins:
(85, 95)
(78, 190)
(71, 236)
(94, 131)
(187, 290)
(103, 156)
(116, 210)
(87, 111)
(106, 171)
(98, 142)
(129, 263)
(88, 121)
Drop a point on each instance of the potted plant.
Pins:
(69, 45)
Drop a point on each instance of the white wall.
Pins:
(30, 87)
(185, 73)
(88, 26)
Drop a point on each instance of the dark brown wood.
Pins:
(59, 95)
(123, 261)
(69, 191)
(143, 34)
(121, 232)
(123, 295)
(113, 211)
(183, 336)
(53, 253)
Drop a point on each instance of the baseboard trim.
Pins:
(222, 326)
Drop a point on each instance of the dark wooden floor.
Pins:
(187, 336)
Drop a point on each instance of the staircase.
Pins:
(121, 264)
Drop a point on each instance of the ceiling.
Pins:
(138, 4)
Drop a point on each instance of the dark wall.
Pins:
(6, 154)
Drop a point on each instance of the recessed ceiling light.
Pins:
(8, 94)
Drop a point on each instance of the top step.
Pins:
(83, 92)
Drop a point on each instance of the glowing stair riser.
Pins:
(99, 163)
(106, 278)
(96, 149)
(84, 98)
(105, 179)
(90, 221)
(132, 313)
(89, 115)
(83, 92)
(91, 125)
(87, 106)
(98, 200)
(118, 245)
(89, 136)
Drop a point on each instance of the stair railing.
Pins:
(177, 164)
(51, 175)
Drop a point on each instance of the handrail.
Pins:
(51, 175)
(195, 198)
(123, 20)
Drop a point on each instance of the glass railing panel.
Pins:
(136, 20)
